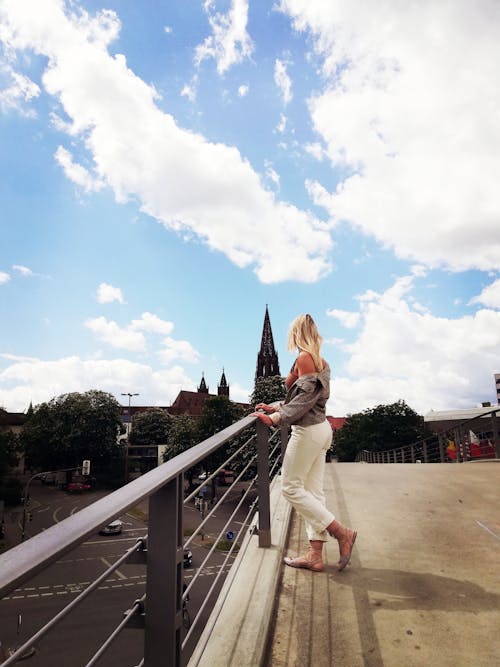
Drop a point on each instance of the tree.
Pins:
(218, 413)
(182, 434)
(73, 427)
(9, 450)
(268, 390)
(377, 429)
(150, 427)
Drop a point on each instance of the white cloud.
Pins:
(316, 150)
(282, 80)
(37, 380)
(118, 337)
(152, 324)
(177, 349)
(281, 126)
(272, 175)
(409, 113)
(17, 91)
(168, 30)
(23, 270)
(490, 296)
(230, 43)
(243, 90)
(190, 90)
(430, 362)
(107, 294)
(76, 172)
(347, 318)
(4, 277)
(142, 154)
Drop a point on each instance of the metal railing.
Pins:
(453, 444)
(159, 610)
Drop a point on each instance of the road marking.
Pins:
(119, 539)
(75, 588)
(108, 564)
(488, 529)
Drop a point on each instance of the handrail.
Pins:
(158, 611)
(22, 562)
(370, 456)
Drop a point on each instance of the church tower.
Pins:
(223, 387)
(267, 359)
(203, 389)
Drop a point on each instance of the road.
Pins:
(77, 637)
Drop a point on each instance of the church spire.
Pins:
(267, 359)
(203, 389)
(223, 387)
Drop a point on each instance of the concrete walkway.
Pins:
(423, 587)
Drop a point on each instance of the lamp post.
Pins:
(129, 427)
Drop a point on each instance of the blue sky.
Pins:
(168, 169)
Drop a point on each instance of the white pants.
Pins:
(303, 474)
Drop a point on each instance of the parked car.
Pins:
(48, 478)
(188, 558)
(77, 487)
(113, 528)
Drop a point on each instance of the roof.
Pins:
(336, 422)
(453, 415)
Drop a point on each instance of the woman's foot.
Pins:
(313, 560)
(346, 538)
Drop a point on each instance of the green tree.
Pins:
(182, 434)
(268, 390)
(73, 427)
(218, 413)
(377, 429)
(10, 449)
(150, 427)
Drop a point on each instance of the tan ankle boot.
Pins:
(346, 538)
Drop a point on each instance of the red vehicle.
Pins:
(77, 487)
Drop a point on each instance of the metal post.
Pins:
(263, 485)
(395, 456)
(441, 449)
(457, 436)
(412, 453)
(402, 455)
(162, 636)
(496, 439)
(426, 456)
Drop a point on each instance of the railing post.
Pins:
(263, 485)
(395, 456)
(426, 455)
(412, 453)
(441, 449)
(402, 455)
(162, 636)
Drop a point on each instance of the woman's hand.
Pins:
(265, 407)
(263, 418)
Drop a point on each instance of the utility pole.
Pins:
(129, 428)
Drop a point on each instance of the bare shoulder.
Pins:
(305, 364)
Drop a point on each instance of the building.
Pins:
(267, 358)
(497, 385)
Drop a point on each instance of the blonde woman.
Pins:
(304, 408)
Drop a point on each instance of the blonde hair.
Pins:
(304, 335)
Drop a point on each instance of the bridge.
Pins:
(422, 587)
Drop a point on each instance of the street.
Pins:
(76, 638)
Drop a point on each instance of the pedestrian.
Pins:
(304, 409)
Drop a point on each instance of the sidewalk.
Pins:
(422, 589)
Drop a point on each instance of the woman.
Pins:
(304, 408)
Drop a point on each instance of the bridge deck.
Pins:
(423, 587)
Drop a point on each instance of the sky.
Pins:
(168, 169)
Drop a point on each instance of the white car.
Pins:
(113, 528)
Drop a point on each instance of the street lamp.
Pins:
(129, 427)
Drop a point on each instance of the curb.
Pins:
(237, 630)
